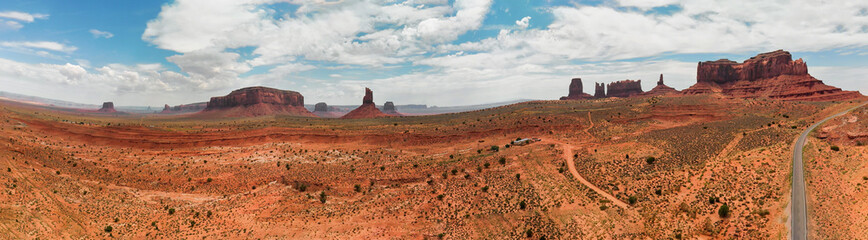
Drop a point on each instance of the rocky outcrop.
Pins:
(576, 91)
(773, 75)
(184, 108)
(258, 101)
(321, 107)
(389, 108)
(624, 88)
(660, 89)
(107, 107)
(599, 90)
(368, 109)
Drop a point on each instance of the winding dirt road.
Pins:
(568, 156)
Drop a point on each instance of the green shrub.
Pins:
(171, 211)
(322, 197)
(108, 229)
(650, 160)
(522, 205)
(632, 200)
(723, 211)
(835, 148)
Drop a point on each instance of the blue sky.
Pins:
(436, 52)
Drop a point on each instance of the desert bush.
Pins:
(108, 229)
(723, 211)
(322, 197)
(650, 160)
(632, 200)
(835, 148)
(502, 160)
(171, 211)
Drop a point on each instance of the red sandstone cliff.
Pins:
(368, 109)
(258, 101)
(772, 75)
(576, 91)
(624, 88)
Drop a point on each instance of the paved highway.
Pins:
(799, 214)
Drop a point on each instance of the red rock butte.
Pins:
(773, 75)
(258, 101)
(624, 88)
(367, 110)
(107, 107)
(576, 91)
(389, 108)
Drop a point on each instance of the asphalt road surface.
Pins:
(799, 214)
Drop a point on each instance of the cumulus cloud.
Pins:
(101, 34)
(22, 16)
(342, 32)
(523, 23)
(46, 45)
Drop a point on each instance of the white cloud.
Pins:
(53, 46)
(22, 16)
(646, 4)
(523, 23)
(13, 25)
(101, 34)
(342, 32)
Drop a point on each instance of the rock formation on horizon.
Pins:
(321, 107)
(599, 90)
(389, 108)
(368, 109)
(773, 75)
(258, 101)
(185, 108)
(660, 89)
(107, 107)
(624, 88)
(576, 91)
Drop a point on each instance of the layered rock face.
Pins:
(660, 89)
(599, 90)
(107, 107)
(576, 91)
(624, 88)
(772, 75)
(368, 109)
(258, 101)
(185, 108)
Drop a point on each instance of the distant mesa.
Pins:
(773, 75)
(624, 88)
(323, 110)
(389, 108)
(258, 101)
(576, 91)
(184, 108)
(367, 110)
(107, 107)
(321, 107)
(660, 89)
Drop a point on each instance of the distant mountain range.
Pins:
(411, 109)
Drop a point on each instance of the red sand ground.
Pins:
(73, 175)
